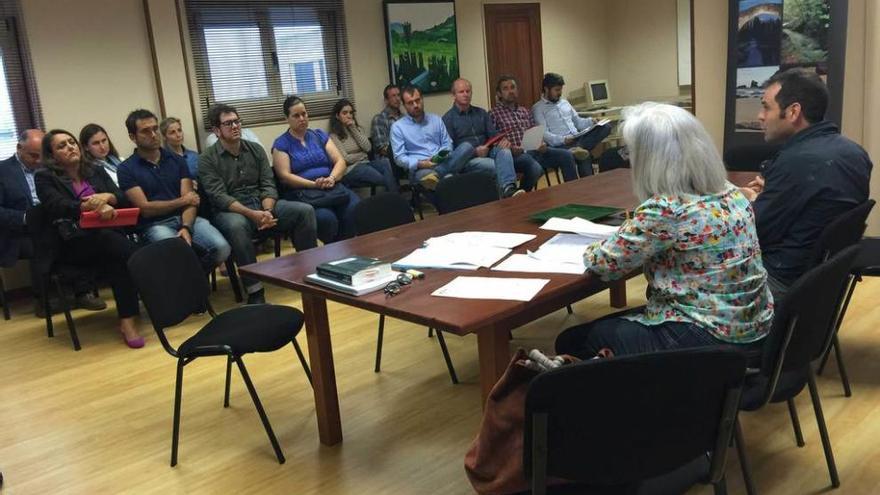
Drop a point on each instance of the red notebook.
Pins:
(494, 139)
(124, 218)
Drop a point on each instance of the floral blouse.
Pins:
(702, 260)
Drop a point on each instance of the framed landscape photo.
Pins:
(422, 44)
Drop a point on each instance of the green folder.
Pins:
(587, 212)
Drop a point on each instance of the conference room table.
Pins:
(490, 320)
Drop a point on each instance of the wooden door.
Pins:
(513, 46)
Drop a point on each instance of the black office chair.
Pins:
(749, 157)
(844, 231)
(381, 212)
(634, 424)
(464, 191)
(172, 286)
(3, 302)
(803, 326)
(50, 271)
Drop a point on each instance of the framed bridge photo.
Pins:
(422, 44)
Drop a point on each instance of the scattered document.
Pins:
(446, 255)
(588, 129)
(484, 239)
(580, 226)
(564, 248)
(532, 264)
(533, 138)
(508, 289)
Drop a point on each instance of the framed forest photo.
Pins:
(422, 44)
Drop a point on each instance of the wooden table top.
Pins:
(462, 316)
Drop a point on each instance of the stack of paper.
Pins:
(563, 253)
(463, 250)
(487, 239)
(508, 289)
(580, 226)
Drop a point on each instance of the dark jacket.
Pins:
(817, 176)
(15, 199)
(58, 200)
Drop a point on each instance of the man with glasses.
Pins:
(239, 183)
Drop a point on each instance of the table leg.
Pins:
(323, 372)
(617, 292)
(494, 354)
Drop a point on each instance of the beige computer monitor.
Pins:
(597, 93)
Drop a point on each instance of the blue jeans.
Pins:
(501, 160)
(204, 235)
(457, 162)
(624, 337)
(560, 158)
(531, 170)
(372, 173)
(294, 218)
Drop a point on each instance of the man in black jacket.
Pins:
(17, 194)
(817, 175)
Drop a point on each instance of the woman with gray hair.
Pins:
(694, 237)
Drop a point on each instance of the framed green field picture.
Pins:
(422, 44)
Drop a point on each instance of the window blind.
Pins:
(19, 102)
(252, 54)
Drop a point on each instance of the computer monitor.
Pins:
(597, 93)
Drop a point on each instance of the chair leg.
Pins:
(232, 273)
(44, 300)
(430, 332)
(214, 280)
(570, 311)
(743, 460)
(852, 287)
(446, 357)
(795, 423)
(823, 430)
(378, 365)
(277, 240)
(3, 299)
(720, 488)
(260, 410)
(547, 176)
(175, 429)
(71, 326)
(558, 178)
(841, 368)
(302, 361)
(228, 379)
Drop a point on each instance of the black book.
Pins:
(355, 270)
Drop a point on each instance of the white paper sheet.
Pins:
(508, 289)
(490, 239)
(447, 255)
(580, 226)
(533, 138)
(564, 248)
(532, 264)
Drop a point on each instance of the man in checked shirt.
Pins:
(514, 119)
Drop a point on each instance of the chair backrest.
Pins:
(171, 283)
(619, 421)
(44, 236)
(803, 322)
(463, 191)
(380, 212)
(844, 231)
(749, 157)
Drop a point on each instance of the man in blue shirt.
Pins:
(561, 122)
(467, 123)
(421, 144)
(159, 183)
(817, 176)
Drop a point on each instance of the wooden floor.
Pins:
(99, 420)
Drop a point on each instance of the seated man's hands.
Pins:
(753, 188)
(263, 219)
(425, 164)
(481, 151)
